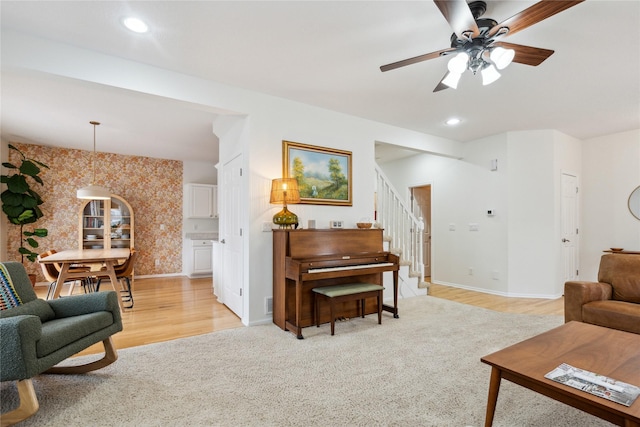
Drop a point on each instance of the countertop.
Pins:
(203, 236)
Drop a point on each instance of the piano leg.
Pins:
(297, 329)
(387, 307)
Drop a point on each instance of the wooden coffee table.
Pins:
(608, 352)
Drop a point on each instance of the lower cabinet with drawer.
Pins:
(201, 262)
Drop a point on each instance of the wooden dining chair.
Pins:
(51, 273)
(124, 274)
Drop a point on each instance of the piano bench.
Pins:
(346, 292)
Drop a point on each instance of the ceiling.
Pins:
(323, 53)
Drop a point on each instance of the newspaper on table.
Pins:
(598, 385)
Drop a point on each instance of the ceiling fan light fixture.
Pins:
(489, 75)
(452, 79)
(458, 64)
(502, 57)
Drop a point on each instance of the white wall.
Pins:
(269, 120)
(516, 252)
(462, 192)
(611, 166)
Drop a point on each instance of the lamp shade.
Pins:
(452, 79)
(93, 192)
(489, 75)
(502, 57)
(284, 190)
(458, 64)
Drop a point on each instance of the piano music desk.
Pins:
(307, 259)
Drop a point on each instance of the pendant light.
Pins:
(94, 192)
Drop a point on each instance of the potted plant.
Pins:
(21, 203)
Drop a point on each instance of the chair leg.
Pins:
(110, 356)
(128, 294)
(52, 290)
(28, 404)
(380, 308)
(316, 318)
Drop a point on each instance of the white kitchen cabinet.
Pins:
(202, 201)
(201, 259)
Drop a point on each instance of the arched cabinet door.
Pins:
(106, 224)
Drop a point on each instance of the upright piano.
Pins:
(304, 259)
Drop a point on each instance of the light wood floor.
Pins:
(177, 307)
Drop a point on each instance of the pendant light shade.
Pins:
(93, 192)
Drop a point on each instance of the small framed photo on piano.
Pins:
(323, 174)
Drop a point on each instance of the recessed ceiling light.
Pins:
(453, 121)
(135, 25)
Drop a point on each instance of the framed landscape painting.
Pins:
(323, 174)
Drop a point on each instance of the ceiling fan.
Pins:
(476, 44)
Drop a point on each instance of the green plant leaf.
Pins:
(26, 216)
(41, 164)
(13, 212)
(29, 168)
(29, 202)
(32, 242)
(41, 232)
(8, 166)
(11, 199)
(17, 184)
(36, 196)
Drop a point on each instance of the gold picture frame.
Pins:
(323, 174)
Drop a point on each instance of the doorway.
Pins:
(421, 208)
(569, 228)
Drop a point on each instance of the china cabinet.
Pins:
(106, 224)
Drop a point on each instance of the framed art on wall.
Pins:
(323, 174)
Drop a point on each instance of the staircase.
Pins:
(403, 234)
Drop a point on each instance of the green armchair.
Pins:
(35, 334)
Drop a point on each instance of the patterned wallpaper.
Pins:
(153, 188)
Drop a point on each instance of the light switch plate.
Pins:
(336, 224)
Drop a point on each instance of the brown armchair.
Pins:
(613, 301)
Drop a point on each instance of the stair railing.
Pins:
(403, 229)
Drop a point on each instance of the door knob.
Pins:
(565, 240)
(222, 241)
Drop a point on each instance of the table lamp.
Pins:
(285, 190)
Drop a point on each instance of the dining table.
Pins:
(97, 258)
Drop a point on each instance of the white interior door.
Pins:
(569, 224)
(231, 236)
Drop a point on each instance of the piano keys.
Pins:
(304, 259)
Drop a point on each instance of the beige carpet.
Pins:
(423, 369)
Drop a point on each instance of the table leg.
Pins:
(62, 277)
(494, 388)
(109, 264)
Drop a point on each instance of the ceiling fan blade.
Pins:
(416, 59)
(532, 15)
(459, 16)
(526, 54)
(441, 86)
